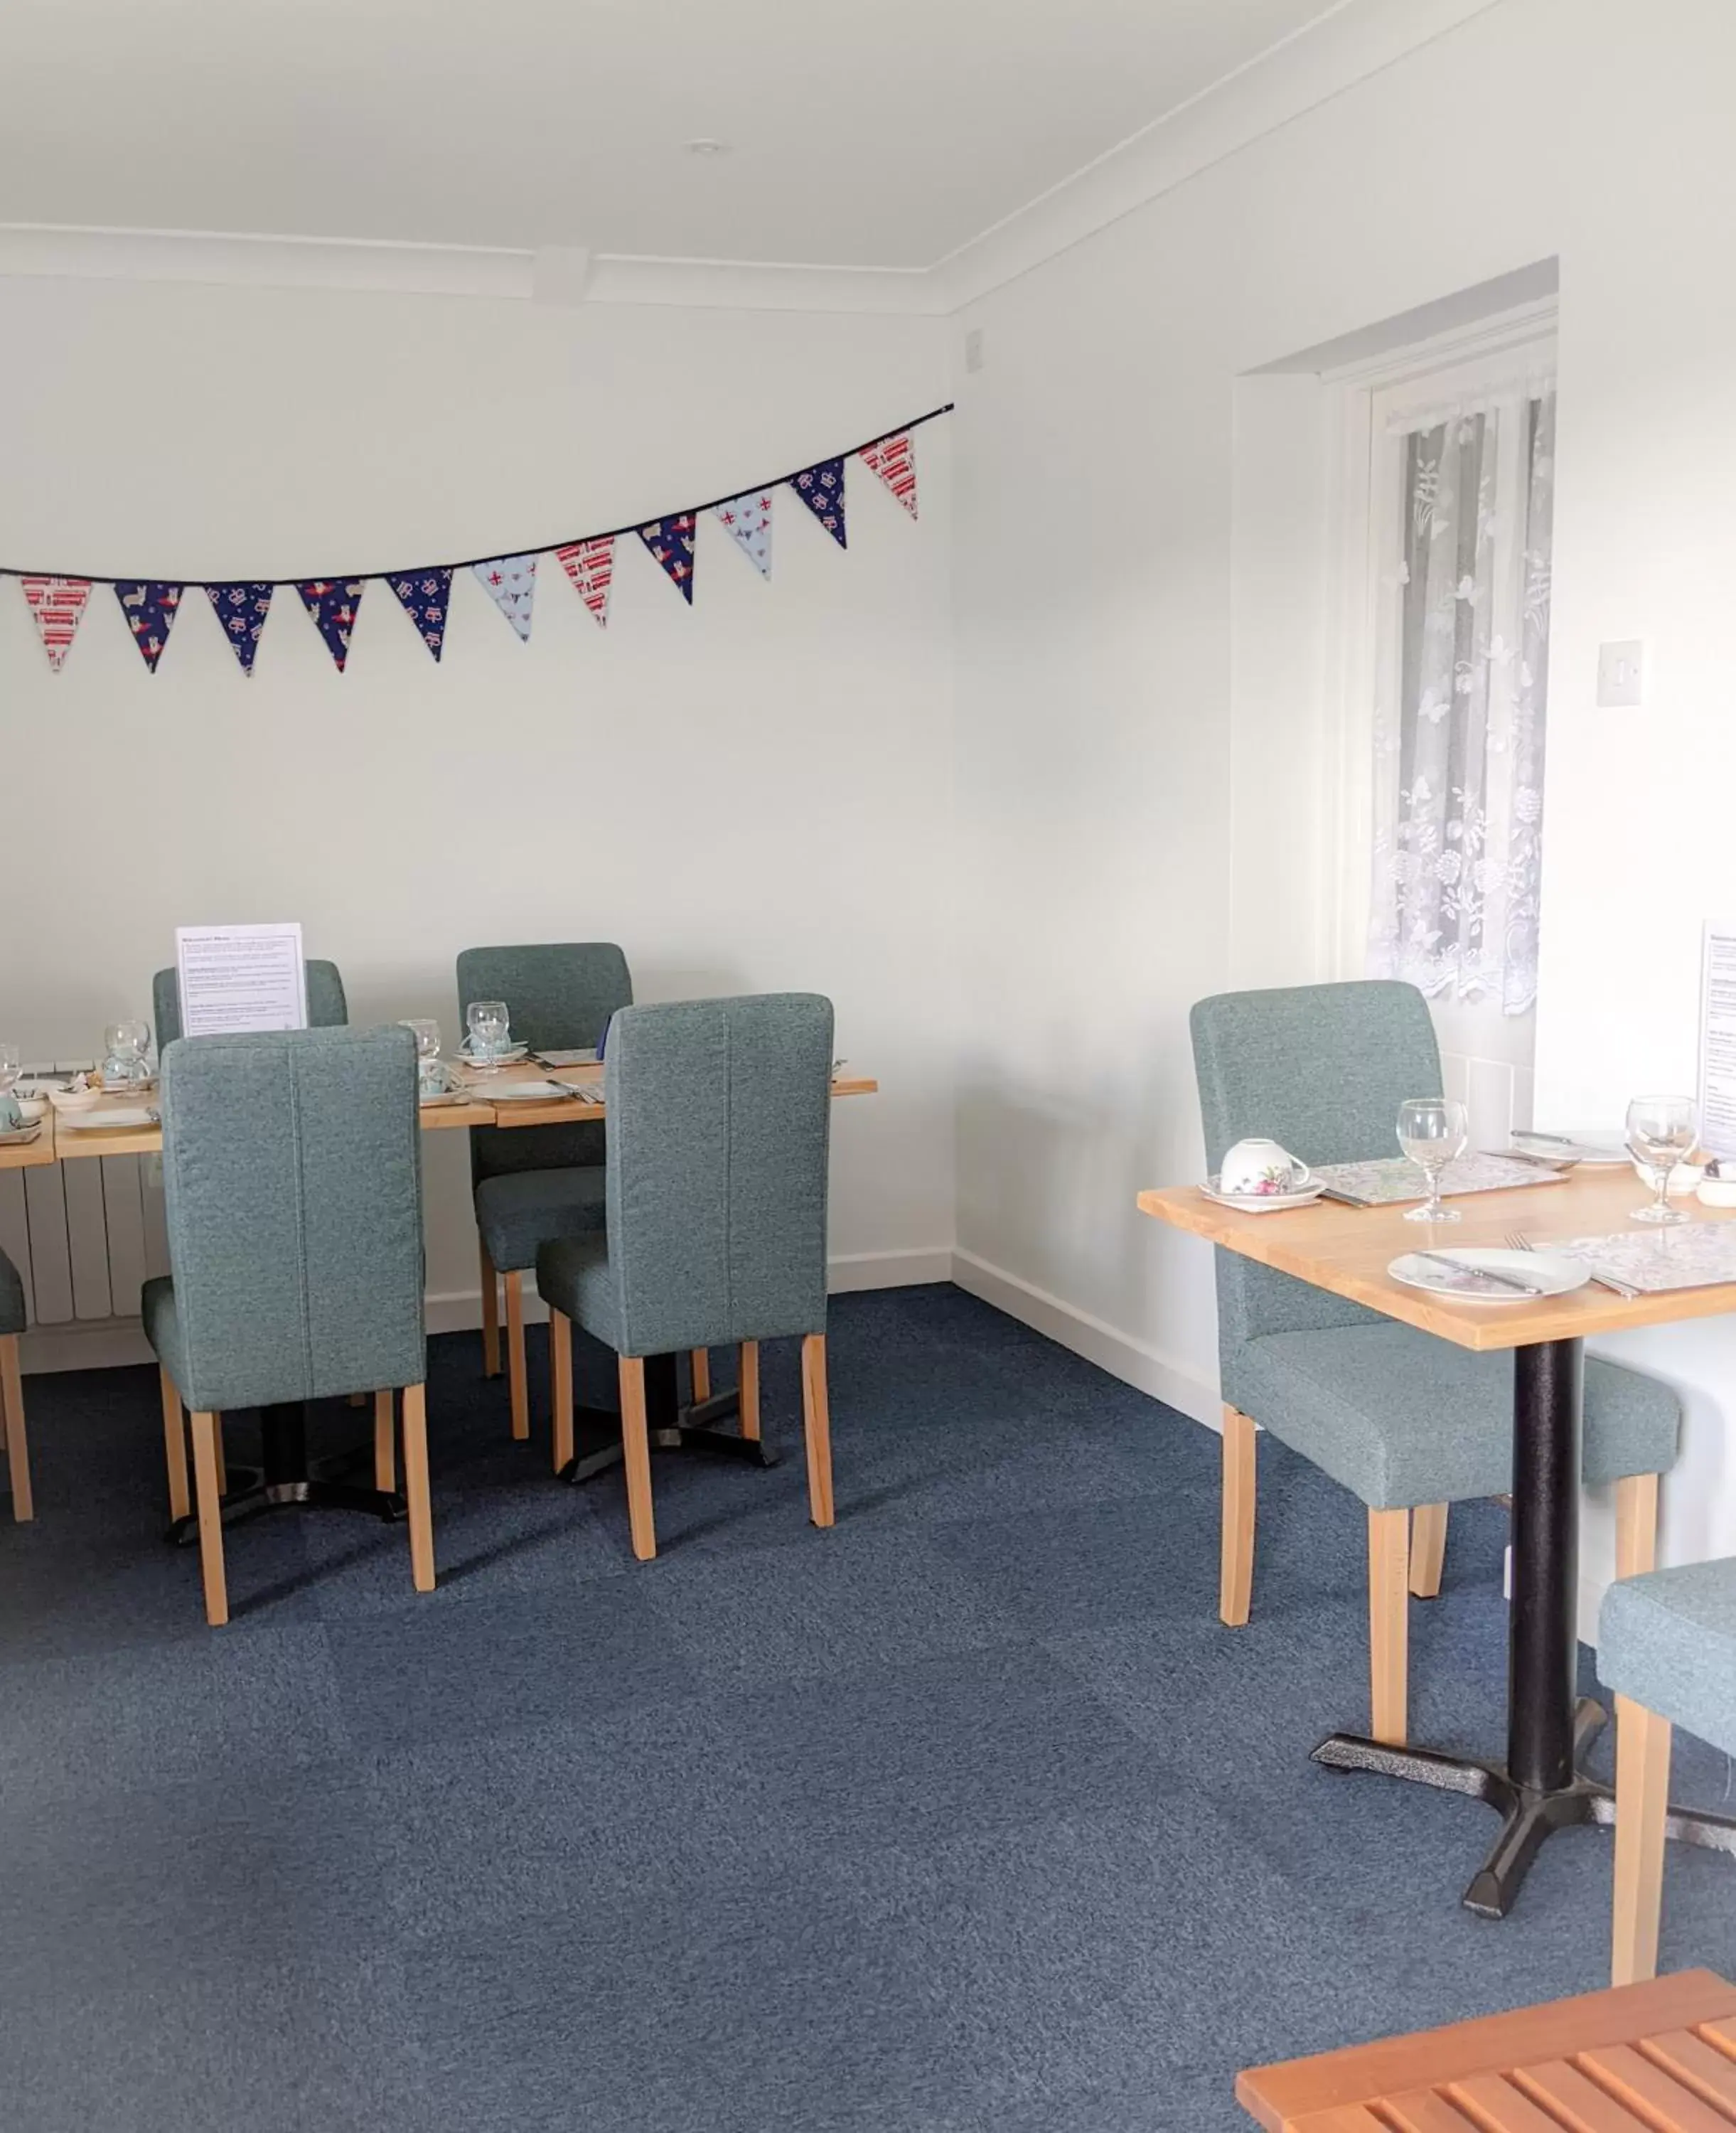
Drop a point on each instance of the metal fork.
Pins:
(1516, 1241)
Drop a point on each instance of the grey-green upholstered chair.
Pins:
(293, 1196)
(717, 1116)
(327, 1008)
(1407, 1423)
(1667, 1645)
(532, 1184)
(11, 1390)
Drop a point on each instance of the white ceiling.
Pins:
(864, 132)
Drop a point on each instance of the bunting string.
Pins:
(58, 600)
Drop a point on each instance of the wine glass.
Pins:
(11, 1065)
(487, 1023)
(427, 1034)
(1661, 1131)
(1431, 1131)
(128, 1042)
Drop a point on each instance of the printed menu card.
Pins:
(239, 978)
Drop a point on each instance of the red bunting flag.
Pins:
(894, 459)
(591, 566)
(58, 604)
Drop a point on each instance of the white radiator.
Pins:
(85, 1235)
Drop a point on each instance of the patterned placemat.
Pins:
(1389, 1180)
(1651, 1262)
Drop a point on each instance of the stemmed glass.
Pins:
(1431, 1131)
(11, 1065)
(1661, 1131)
(427, 1034)
(487, 1023)
(128, 1044)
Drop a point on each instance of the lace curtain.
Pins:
(1463, 653)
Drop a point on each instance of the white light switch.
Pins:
(1620, 673)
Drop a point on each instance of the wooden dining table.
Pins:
(1539, 1787)
(287, 1476)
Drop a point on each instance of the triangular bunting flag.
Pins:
(332, 602)
(894, 459)
(58, 603)
(822, 489)
(670, 541)
(510, 581)
(150, 610)
(241, 609)
(427, 595)
(748, 519)
(591, 566)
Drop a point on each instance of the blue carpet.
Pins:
(965, 1815)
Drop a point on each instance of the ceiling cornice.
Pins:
(1352, 41)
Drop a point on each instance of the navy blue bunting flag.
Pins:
(149, 609)
(241, 609)
(822, 489)
(427, 595)
(670, 541)
(332, 602)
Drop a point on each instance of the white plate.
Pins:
(20, 1136)
(529, 1092)
(1549, 1272)
(510, 1057)
(1593, 1147)
(122, 1119)
(1263, 1203)
(447, 1096)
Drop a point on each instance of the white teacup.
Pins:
(1261, 1166)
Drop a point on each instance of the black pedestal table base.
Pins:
(1539, 1789)
(671, 1426)
(287, 1480)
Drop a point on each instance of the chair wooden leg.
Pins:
(17, 1444)
(1428, 1550)
(222, 1464)
(385, 1452)
(748, 1380)
(1236, 1543)
(175, 1447)
(491, 1313)
(1635, 1526)
(416, 1487)
(700, 1361)
(519, 1390)
(1389, 1599)
(561, 1385)
(817, 1426)
(636, 1445)
(1641, 1803)
(206, 1428)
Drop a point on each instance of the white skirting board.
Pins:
(99, 1344)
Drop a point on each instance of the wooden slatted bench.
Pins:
(1660, 2057)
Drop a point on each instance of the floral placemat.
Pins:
(1652, 1262)
(1389, 1180)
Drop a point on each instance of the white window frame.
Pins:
(1365, 399)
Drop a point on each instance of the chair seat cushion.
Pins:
(522, 1210)
(162, 1328)
(1668, 1640)
(11, 1298)
(1400, 1418)
(575, 1279)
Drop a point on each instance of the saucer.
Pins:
(20, 1136)
(1263, 1203)
(514, 1054)
(124, 1120)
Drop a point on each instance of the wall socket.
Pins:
(1620, 674)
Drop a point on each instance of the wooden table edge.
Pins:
(1288, 2090)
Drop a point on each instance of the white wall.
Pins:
(1115, 764)
(753, 795)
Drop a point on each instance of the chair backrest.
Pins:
(560, 994)
(327, 1008)
(718, 1117)
(292, 1186)
(1322, 1069)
